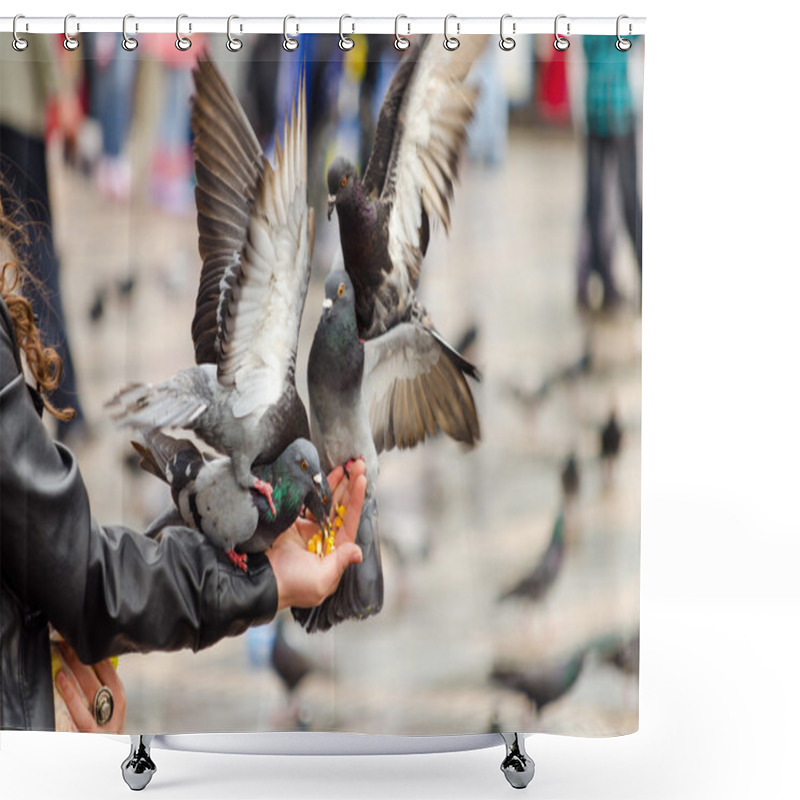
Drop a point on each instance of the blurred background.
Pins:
(512, 571)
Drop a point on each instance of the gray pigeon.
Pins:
(536, 584)
(384, 229)
(208, 497)
(341, 431)
(543, 685)
(255, 239)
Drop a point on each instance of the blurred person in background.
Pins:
(32, 82)
(112, 75)
(611, 136)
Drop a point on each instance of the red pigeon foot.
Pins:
(238, 559)
(265, 487)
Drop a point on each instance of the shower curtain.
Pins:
(510, 561)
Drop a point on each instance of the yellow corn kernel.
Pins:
(337, 523)
(340, 512)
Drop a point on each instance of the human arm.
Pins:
(108, 590)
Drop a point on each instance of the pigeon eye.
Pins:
(340, 290)
(344, 181)
(304, 465)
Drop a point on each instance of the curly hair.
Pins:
(43, 362)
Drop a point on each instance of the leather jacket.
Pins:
(107, 589)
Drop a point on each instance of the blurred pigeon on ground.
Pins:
(536, 584)
(570, 477)
(543, 685)
(341, 432)
(384, 229)
(97, 308)
(624, 655)
(126, 285)
(255, 237)
(610, 445)
(208, 497)
(292, 667)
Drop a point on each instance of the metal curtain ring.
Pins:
(18, 43)
(182, 42)
(289, 43)
(128, 42)
(233, 44)
(507, 42)
(345, 42)
(103, 706)
(623, 45)
(401, 42)
(451, 42)
(560, 42)
(70, 42)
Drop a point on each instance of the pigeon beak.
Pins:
(318, 479)
(331, 205)
(327, 305)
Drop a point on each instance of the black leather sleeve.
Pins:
(108, 590)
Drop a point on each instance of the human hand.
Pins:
(78, 686)
(304, 579)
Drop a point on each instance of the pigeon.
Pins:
(341, 432)
(535, 585)
(610, 444)
(610, 438)
(255, 239)
(292, 666)
(624, 655)
(545, 685)
(384, 229)
(570, 477)
(208, 497)
(97, 309)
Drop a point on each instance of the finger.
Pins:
(85, 675)
(335, 477)
(76, 704)
(353, 507)
(340, 494)
(333, 566)
(108, 676)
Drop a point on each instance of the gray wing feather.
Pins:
(414, 387)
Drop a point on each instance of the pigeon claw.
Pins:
(265, 488)
(349, 465)
(238, 559)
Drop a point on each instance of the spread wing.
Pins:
(414, 385)
(263, 294)
(420, 133)
(228, 167)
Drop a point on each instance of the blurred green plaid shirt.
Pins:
(609, 105)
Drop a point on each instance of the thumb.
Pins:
(349, 553)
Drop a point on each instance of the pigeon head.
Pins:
(300, 463)
(341, 180)
(339, 294)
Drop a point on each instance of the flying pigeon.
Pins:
(536, 584)
(208, 497)
(544, 685)
(255, 239)
(341, 432)
(384, 229)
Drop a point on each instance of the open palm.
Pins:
(304, 579)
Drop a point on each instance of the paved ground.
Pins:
(459, 527)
